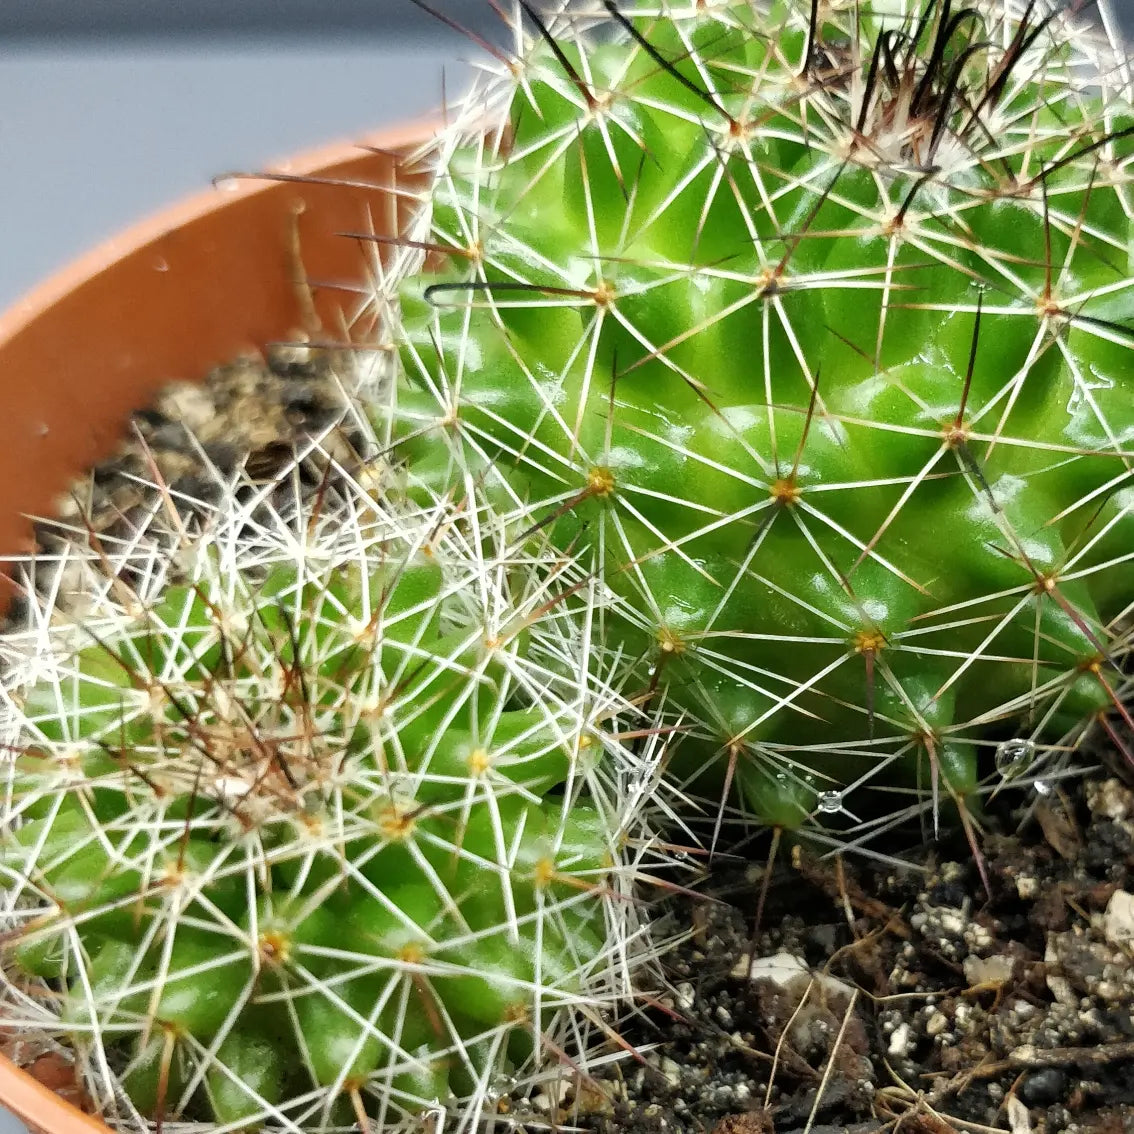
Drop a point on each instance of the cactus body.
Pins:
(298, 832)
(809, 330)
(776, 383)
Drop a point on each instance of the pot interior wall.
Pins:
(227, 271)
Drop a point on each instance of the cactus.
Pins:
(807, 328)
(314, 824)
(774, 384)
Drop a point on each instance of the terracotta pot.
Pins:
(173, 297)
(176, 295)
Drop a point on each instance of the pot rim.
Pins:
(39, 1107)
(228, 189)
(189, 288)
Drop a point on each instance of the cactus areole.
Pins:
(287, 844)
(808, 328)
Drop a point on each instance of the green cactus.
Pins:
(808, 329)
(775, 386)
(311, 829)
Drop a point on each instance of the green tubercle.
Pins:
(811, 334)
(314, 828)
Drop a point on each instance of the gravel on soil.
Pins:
(243, 425)
(876, 998)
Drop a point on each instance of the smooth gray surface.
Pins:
(9, 1124)
(92, 140)
(94, 19)
(84, 19)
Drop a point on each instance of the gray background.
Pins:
(84, 19)
(109, 109)
(118, 117)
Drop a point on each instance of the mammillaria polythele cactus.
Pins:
(807, 328)
(312, 823)
(767, 398)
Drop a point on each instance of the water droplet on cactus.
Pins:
(1015, 756)
(1042, 787)
(830, 802)
(502, 1085)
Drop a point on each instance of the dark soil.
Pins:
(865, 997)
(871, 998)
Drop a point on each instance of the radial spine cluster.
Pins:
(808, 329)
(314, 823)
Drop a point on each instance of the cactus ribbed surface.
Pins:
(762, 420)
(809, 329)
(308, 826)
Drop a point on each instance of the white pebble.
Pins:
(993, 970)
(686, 996)
(899, 1046)
(1118, 921)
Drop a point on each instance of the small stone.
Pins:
(286, 356)
(1023, 1009)
(1019, 1122)
(985, 971)
(553, 1094)
(780, 968)
(685, 996)
(1118, 921)
(755, 1122)
(1111, 800)
(1108, 992)
(977, 937)
(1043, 1087)
(786, 970)
(591, 1099)
(900, 1041)
(951, 922)
(187, 403)
(936, 1024)
(1060, 987)
(739, 971)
